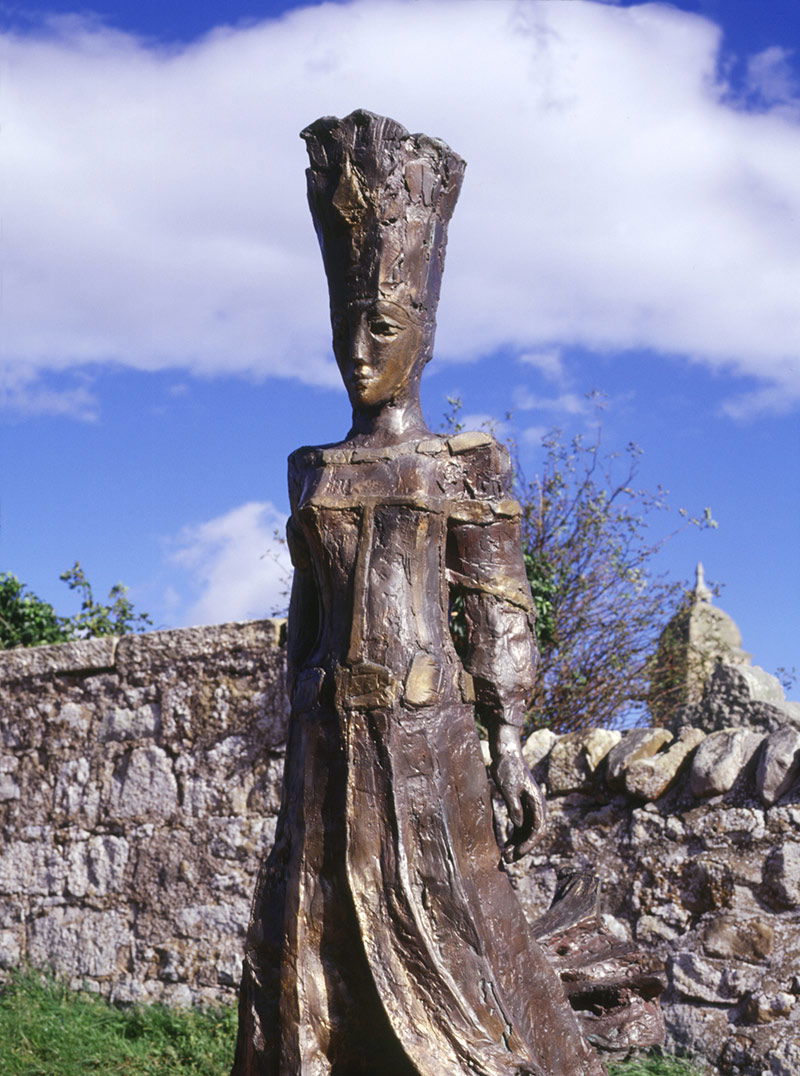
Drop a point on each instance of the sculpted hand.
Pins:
(522, 795)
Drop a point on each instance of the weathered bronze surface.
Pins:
(384, 937)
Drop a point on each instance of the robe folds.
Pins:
(384, 938)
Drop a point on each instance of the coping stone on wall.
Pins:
(81, 655)
(137, 652)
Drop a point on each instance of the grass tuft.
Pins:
(46, 1029)
(653, 1066)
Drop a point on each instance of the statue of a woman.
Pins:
(385, 940)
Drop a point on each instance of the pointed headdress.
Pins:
(381, 199)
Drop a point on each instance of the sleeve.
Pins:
(486, 567)
(303, 622)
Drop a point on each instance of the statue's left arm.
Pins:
(486, 566)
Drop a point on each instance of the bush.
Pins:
(26, 620)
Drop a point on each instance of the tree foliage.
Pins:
(590, 554)
(27, 620)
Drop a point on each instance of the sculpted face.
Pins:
(378, 345)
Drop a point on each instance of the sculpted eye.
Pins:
(385, 328)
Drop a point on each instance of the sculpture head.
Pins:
(381, 200)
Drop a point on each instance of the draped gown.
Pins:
(384, 938)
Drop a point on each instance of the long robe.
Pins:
(384, 938)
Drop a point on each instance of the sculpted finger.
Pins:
(514, 804)
(539, 808)
(530, 840)
(511, 850)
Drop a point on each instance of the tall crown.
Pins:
(381, 200)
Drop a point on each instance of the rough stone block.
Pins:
(699, 1030)
(730, 936)
(10, 949)
(538, 746)
(783, 1055)
(782, 875)
(722, 826)
(763, 1008)
(79, 942)
(32, 869)
(712, 980)
(634, 745)
(574, 759)
(720, 759)
(219, 920)
(9, 788)
(77, 718)
(126, 724)
(97, 867)
(144, 786)
(778, 764)
(761, 685)
(138, 653)
(74, 795)
(229, 754)
(742, 696)
(649, 778)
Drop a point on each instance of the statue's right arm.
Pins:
(301, 632)
(303, 623)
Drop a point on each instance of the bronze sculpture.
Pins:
(384, 938)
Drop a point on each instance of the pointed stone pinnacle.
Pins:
(701, 592)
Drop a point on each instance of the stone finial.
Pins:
(702, 593)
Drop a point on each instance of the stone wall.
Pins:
(140, 781)
(696, 842)
(139, 784)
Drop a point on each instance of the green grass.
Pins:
(46, 1029)
(654, 1066)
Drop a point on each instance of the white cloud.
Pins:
(747, 405)
(566, 403)
(770, 75)
(548, 363)
(534, 435)
(22, 392)
(235, 567)
(154, 206)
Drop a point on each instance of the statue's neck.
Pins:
(389, 424)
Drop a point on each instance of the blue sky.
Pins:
(630, 222)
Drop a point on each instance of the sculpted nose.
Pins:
(359, 346)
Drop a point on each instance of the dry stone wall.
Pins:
(140, 783)
(694, 834)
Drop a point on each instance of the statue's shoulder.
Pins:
(480, 452)
(485, 477)
(318, 455)
(302, 464)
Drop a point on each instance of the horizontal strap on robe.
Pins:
(511, 593)
(469, 511)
